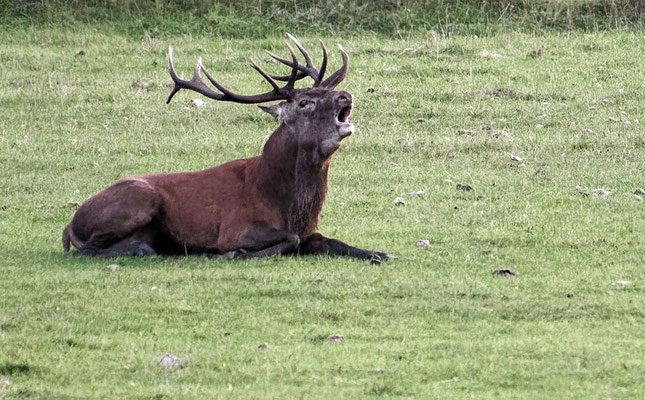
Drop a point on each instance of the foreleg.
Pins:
(319, 244)
(265, 242)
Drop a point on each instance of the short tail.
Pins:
(66, 237)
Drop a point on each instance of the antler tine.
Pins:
(294, 70)
(302, 72)
(196, 84)
(339, 75)
(307, 70)
(302, 50)
(323, 66)
(265, 75)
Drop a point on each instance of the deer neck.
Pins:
(293, 176)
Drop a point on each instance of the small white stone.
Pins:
(112, 267)
(170, 361)
(335, 338)
(195, 103)
(602, 192)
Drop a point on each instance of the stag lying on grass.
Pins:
(254, 207)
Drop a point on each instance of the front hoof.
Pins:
(383, 256)
(378, 258)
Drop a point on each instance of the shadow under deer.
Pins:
(255, 207)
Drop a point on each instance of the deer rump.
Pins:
(255, 207)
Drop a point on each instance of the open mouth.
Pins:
(344, 113)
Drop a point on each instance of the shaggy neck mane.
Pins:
(295, 177)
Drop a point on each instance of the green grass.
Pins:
(431, 324)
(259, 18)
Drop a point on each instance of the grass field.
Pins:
(435, 322)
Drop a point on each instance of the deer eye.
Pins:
(303, 103)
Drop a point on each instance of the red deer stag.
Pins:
(255, 207)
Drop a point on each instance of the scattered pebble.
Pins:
(503, 272)
(469, 108)
(582, 191)
(398, 202)
(335, 338)
(516, 158)
(113, 267)
(588, 132)
(601, 192)
(621, 283)
(502, 133)
(464, 187)
(170, 361)
(195, 103)
(423, 243)
(486, 54)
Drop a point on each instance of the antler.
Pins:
(310, 70)
(196, 84)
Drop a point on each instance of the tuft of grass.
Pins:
(434, 322)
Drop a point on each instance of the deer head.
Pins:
(312, 118)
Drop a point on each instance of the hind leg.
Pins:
(109, 245)
(121, 249)
(117, 221)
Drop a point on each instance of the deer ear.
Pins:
(274, 109)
